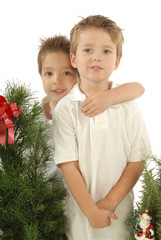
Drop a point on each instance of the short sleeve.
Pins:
(140, 146)
(64, 136)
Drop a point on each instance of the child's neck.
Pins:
(89, 89)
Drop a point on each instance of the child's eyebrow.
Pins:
(64, 68)
(67, 68)
(88, 44)
(91, 45)
(47, 68)
(108, 46)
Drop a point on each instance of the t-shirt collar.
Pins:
(77, 95)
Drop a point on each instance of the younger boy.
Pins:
(58, 77)
(100, 157)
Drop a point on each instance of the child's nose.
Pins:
(96, 55)
(57, 79)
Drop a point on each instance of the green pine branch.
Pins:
(31, 205)
(150, 197)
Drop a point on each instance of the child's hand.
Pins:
(106, 204)
(96, 104)
(101, 219)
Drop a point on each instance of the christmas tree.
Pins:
(150, 198)
(31, 204)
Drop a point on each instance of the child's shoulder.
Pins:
(73, 96)
(64, 103)
(46, 107)
(113, 84)
(69, 103)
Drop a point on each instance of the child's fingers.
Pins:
(91, 112)
(89, 107)
(108, 222)
(86, 102)
(112, 215)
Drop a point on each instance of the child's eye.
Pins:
(48, 74)
(67, 73)
(107, 51)
(87, 50)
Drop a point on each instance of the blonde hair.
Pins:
(52, 44)
(101, 22)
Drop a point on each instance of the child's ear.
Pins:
(117, 63)
(73, 60)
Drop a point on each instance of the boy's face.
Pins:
(58, 76)
(95, 56)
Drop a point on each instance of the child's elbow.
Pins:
(142, 89)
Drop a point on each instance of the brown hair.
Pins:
(52, 44)
(101, 22)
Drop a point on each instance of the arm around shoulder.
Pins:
(99, 102)
(125, 92)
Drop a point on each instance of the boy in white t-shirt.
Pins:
(100, 157)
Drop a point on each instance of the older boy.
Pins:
(100, 157)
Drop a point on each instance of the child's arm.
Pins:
(101, 101)
(98, 218)
(127, 181)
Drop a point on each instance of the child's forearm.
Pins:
(127, 181)
(74, 180)
(100, 101)
(77, 187)
(125, 92)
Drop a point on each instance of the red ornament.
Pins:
(6, 112)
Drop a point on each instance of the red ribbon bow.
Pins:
(6, 112)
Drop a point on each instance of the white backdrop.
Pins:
(23, 22)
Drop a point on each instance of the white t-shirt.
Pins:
(51, 168)
(103, 145)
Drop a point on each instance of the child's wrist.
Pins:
(112, 204)
(107, 204)
(92, 212)
(110, 98)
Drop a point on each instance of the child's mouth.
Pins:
(59, 91)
